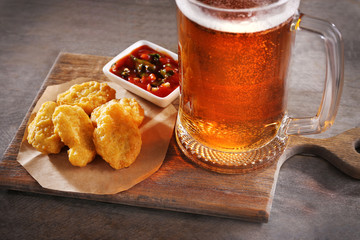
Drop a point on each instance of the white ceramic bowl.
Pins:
(160, 101)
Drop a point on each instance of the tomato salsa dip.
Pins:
(149, 69)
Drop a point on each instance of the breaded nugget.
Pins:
(88, 95)
(133, 108)
(117, 138)
(41, 133)
(129, 106)
(75, 129)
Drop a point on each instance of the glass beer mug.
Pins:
(234, 60)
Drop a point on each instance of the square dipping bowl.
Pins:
(159, 101)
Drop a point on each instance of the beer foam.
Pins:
(253, 23)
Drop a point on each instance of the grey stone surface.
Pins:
(313, 200)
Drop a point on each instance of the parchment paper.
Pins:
(54, 171)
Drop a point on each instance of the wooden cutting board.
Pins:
(179, 185)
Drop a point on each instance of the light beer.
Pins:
(233, 80)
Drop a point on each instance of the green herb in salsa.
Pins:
(151, 70)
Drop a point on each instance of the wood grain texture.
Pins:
(340, 150)
(178, 185)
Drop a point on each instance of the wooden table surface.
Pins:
(313, 200)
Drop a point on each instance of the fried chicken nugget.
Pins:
(133, 109)
(117, 139)
(129, 106)
(75, 129)
(41, 133)
(87, 95)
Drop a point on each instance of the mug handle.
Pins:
(334, 79)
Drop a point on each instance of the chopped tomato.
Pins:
(149, 69)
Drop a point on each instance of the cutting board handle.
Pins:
(340, 150)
